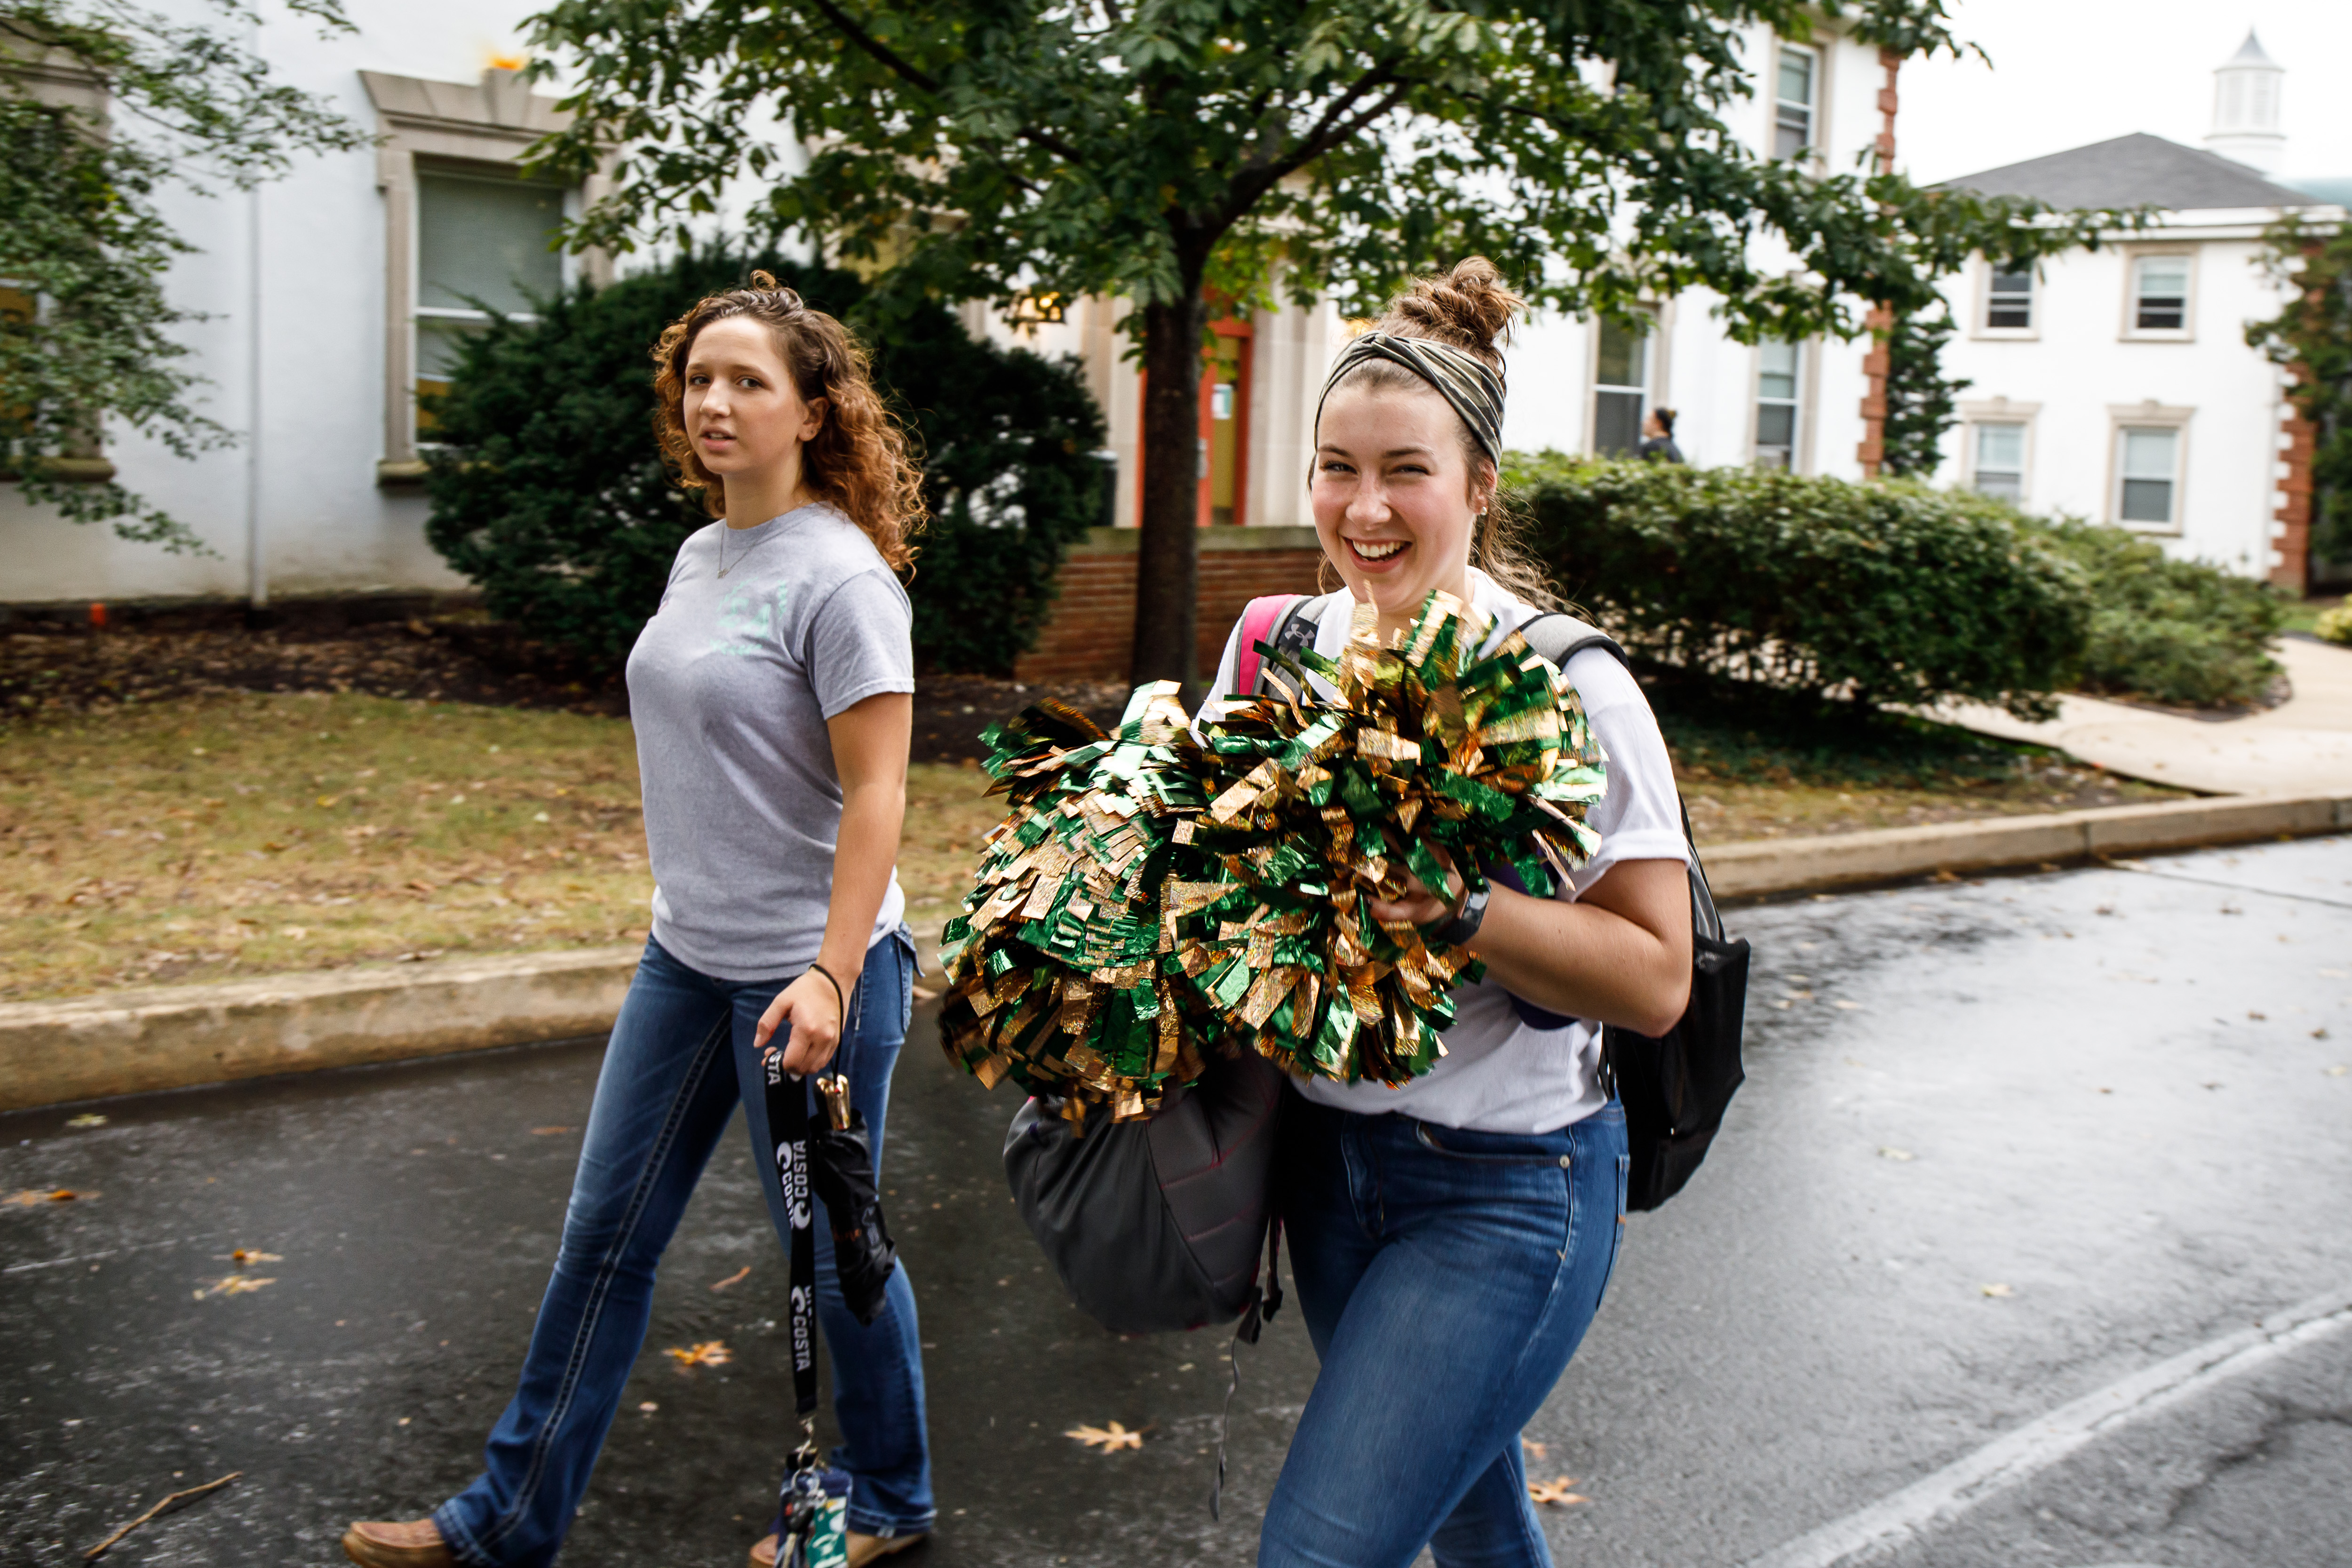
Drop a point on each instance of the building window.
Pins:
(2008, 300)
(1997, 463)
(1795, 85)
(1621, 388)
(2147, 466)
(2159, 301)
(481, 246)
(1779, 371)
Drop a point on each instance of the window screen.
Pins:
(1778, 370)
(485, 239)
(1621, 389)
(2009, 302)
(1792, 119)
(2160, 293)
(2150, 462)
(1998, 469)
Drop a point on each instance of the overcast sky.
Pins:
(2068, 72)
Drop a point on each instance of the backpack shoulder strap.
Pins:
(1559, 637)
(1258, 621)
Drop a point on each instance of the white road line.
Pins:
(1906, 1516)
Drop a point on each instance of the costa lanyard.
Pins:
(787, 1100)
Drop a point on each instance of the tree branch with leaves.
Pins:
(102, 104)
(1177, 153)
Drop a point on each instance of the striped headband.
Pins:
(1467, 383)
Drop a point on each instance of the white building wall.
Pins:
(2082, 372)
(315, 291)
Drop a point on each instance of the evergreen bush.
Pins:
(2178, 632)
(1875, 594)
(548, 492)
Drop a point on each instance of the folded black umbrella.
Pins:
(841, 1168)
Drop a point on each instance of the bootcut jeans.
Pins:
(1445, 1276)
(679, 1060)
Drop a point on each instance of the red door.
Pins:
(1224, 428)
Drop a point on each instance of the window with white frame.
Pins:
(2160, 300)
(2147, 475)
(1779, 374)
(1620, 394)
(1996, 459)
(481, 246)
(1795, 99)
(2009, 300)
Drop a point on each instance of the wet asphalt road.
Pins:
(2119, 1095)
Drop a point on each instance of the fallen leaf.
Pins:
(709, 1352)
(1845, 1006)
(243, 1255)
(1555, 1492)
(33, 1196)
(2257, 1018)
(1534, 1449)
(235, 1285)
(1894, 1153)
(88, 1119)
(2001, 1291)
(2339, 1070)
(925, 993)
(648, 1406)
(1109, 1440)
(733, 1278)
(547, 1132)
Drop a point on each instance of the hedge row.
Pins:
(548, 492)
(1889, 592)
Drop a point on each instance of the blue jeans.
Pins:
(679, 1060)
(1446, 1277)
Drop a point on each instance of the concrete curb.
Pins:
(175, 1037)
(132, 1042)
(1766, 867)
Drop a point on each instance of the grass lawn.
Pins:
(2303, 616)
(215, 836)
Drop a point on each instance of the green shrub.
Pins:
(548, 492)
(1879, 593)
(2179, 632)
(2334, 625)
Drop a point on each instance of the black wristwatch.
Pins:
(1463, 924)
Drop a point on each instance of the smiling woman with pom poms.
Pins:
(1451, 1235)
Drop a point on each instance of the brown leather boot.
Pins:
(414, 1545)
(862, 1549)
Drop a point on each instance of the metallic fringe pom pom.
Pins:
(1158, 895)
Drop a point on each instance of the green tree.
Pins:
(1179, 152)
(1919, 395)
(101, 103)
(2313, 338)
(548, 492)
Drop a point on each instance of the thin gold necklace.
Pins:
(725, 565)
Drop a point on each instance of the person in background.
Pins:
(772, 697)
(1658, 438)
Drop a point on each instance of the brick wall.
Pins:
(1091, 633)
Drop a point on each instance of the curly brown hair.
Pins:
(857, 462)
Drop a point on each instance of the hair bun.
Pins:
(1469, 307)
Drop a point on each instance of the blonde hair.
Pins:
(1468, 307)
(858, 461)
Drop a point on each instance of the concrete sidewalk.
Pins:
(2302, 746)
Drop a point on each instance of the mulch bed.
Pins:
(56, 668)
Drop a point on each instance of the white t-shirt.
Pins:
(1500, 1074)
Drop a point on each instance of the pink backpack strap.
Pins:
(1258, 623)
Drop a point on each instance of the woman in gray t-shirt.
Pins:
(771, 698)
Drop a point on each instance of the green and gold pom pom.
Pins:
(1158, 896)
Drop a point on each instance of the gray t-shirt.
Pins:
(731, 684)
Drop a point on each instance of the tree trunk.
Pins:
(1167, 575)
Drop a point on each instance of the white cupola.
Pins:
(2246, 108)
